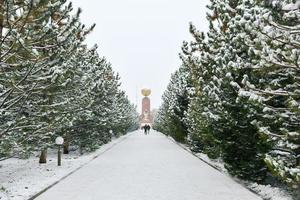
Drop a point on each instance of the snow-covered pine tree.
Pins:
(78, 111)
(202, 116)
(278, 89)
(48, 37)
(49, 80)
(125, 117)
(243, 148)
(223, 124)
(245, 88)
(103, 106)
(23, 56)
(171, 119)
(160, 121)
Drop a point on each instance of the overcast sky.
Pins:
(142, 38)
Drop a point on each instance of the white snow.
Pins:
(265, 191)
(145, 167)
(291, 6)
(21, 179)
(235, 84)
(269, 192)
(133, 167)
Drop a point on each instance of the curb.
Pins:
(78, 168)
(216, 168)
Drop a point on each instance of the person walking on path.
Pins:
(148, 128)
(145, 129)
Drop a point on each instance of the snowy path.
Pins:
(147, 167)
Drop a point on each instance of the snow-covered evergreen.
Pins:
(170, 119)
(277, 92)
(52, 85)
(244, 104)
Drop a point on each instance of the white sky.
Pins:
(142, 38)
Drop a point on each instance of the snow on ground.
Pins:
(265, 191)
(21, 179)
(147, 167)
(269, 192)
(139, 167)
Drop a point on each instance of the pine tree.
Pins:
(51, 84)
(220, 121)
(277, 23)
(202, 114)
(243, 89)
(242, 146)
(44, 41)
(174, 107)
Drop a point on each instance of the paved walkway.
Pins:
(147, 167)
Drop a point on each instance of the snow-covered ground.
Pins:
(265, 191)
(21, 179)
(147, 167)
(135, 166)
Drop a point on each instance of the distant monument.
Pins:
(146, 116)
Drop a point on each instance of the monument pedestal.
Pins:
(146, 116)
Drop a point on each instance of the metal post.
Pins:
(59, 156)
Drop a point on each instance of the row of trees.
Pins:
(52, 84)
(237, 94)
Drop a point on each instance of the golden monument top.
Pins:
(146, 92)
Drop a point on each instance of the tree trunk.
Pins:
(43, 156)
(1, 25)
(80, 149)
(66, 144)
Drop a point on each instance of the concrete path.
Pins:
(147, 167)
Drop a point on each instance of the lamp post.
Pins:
(59, 141)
